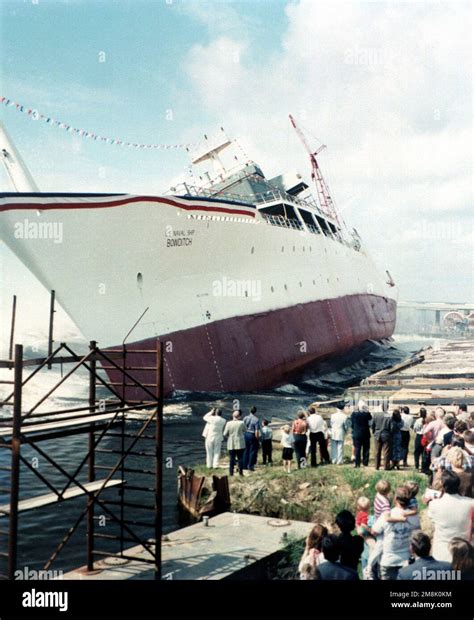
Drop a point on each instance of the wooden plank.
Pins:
(51, 498)
(57, 425)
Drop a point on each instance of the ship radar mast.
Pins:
(211, 152)
(324, 197)
(17, 171)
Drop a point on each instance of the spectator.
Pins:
(338, 424)
(448, 430)
(360, 423)
(434, 432)
(351, 546)
(407, 419)
(332, 568)
(468, 437)
(462, 413)
(418, 428)
(463, 558)
(451, 515)
(362, 515)
(252, 435)
(396, 537)
(457, 461)
(396, 451)
(266, 438)
(234, 431)
(380, 428)
(317, 427)
(213, 436)
(420, 547)
(381, 501)
(286, 441)
(312, 555)
(459, 428)
(299, 430)
(413, 488)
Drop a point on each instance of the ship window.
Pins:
(285, 211)
(309, 221)
(324, 225)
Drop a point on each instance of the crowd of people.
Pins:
(389, 543)
(437, 436)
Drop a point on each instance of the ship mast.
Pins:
(324, 197)
(17, 171)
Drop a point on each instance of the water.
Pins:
(41, 530)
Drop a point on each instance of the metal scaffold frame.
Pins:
(133, 424)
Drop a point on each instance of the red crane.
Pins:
(324, 197)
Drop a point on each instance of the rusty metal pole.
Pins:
(91, 463)
(12, 329)
(51, 326)
(15, 462)
(159, 458)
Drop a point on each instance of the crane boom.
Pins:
(325, 201)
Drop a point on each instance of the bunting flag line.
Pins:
(35, 115)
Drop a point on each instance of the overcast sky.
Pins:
(387, 86)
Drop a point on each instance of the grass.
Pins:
(310, 494)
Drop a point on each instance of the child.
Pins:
(413, 488)
(411, 513)
(381, 501)
(266, 435)
(362, 515)
(381, 506)
(287, 445)
(363, 528)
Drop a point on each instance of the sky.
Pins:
(387, 86)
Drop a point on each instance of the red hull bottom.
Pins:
(259, 351)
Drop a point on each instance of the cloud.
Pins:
(388, 86)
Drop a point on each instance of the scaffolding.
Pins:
(120, 432)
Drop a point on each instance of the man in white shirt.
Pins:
(452, 516)
(338, 427)
(408, 421)
(213, 434)
(317, 427)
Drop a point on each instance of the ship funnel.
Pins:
(17, 171)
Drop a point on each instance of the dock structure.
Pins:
(232, 545)
(435, 376)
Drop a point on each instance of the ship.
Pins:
(246, 280)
